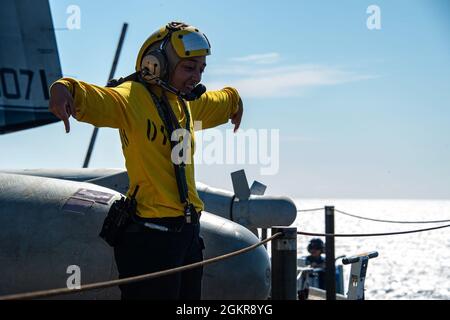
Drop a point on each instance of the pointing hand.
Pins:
(61, 104)
(237, 117)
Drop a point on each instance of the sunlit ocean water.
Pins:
(411, 266)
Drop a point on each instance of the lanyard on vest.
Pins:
(171, 123)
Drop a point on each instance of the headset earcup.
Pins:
(156, 64)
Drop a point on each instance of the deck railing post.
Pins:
(330, 267)
(284, 264)
(264, 236)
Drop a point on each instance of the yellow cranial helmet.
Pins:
(163, 50)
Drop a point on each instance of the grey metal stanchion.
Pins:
(284, 264)
(330, 267)
(264, 236)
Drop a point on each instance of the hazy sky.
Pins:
(361, 113)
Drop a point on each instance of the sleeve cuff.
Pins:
(234, 99)
(66, 83)
(70, 85)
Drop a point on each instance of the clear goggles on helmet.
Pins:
(190, 44)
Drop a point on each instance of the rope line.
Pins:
(368, 234)
(377, 220)
(306, 210)
(389, 221)
(112, 283)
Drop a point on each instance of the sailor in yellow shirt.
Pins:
(147, 107)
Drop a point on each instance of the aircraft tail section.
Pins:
(29, 63)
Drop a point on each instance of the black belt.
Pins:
(167, 224)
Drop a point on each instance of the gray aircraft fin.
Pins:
(257, 188)
(240, 185)
(29, 63)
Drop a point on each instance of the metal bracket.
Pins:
(240, 185)
(257, 188)
(358, 274)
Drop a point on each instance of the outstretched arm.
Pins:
(99, 106)
(217, 107)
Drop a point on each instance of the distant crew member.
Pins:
(317, 261)
(315, 258)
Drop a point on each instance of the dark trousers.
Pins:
(147, 250)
